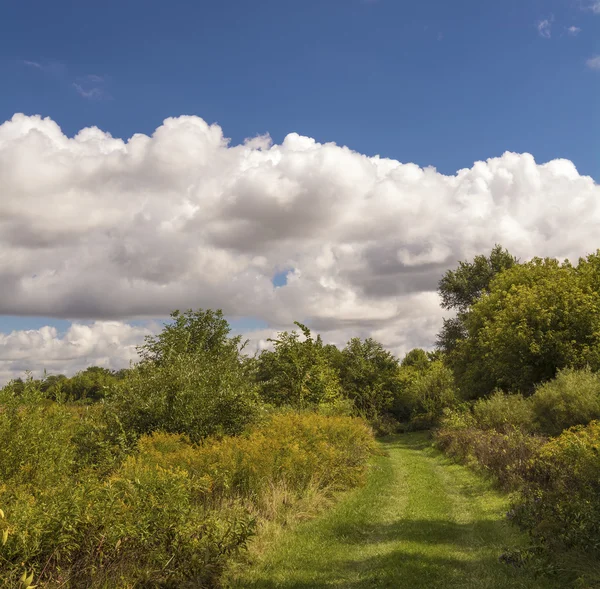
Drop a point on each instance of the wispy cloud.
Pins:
(56, 69)
(544, 27)
(92, 87)
(34, 64)
(594, 63)
(95, 78)
(573, 31)
(595, 6)
(92, 93)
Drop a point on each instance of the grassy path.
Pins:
(420, 522)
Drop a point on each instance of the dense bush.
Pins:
(369, 377)
(197, 394)
(425, 391)
(172, 513)
(572, 398)
(503, 456)
(559, 504)
(297, 372)
(504, 413)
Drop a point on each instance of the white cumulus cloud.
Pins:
(99, 228)
(109, 344)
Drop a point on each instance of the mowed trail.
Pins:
(420, 522)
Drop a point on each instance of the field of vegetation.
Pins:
(165, 473)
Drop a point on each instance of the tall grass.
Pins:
(79, 512)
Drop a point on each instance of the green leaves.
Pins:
(460, 288)
(369, 376)
(191, 332)
(192, 380)
(297, 372)
(536, 318)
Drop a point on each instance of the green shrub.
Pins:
(503, 456)
(172, 514)
(432, 392)
(297, 373)
(559, 505)
(35, 436)
(504, 412)
(196, 394)
(572, 398)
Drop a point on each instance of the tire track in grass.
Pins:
(419, 522)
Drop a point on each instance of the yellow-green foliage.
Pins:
(172, 514)
(296, 450)
(559, 503)
(572, 398)
(504, 412)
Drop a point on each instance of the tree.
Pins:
(191, 331)
(417, 357)
(297, 372)
(369, 376)
(459, 289)
(192, 380)
(91, 383)
(536, 318)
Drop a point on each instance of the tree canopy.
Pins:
(536, 318)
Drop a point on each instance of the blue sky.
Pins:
(436, 83)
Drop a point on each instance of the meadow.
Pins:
(198, 465)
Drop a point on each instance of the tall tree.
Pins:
(369, 376)
(537, 318)
(190, 332)
(297, 372)
(459, 289)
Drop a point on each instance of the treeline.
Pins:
(524, 352)
(158, 476)
(88, 385)
(195, 368)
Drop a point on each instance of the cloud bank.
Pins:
(98, 228)
(108, 344)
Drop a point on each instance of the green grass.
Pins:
(420, 522)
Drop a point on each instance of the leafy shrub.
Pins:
(196, 394)
(504, 412)
(192, 380)
(559, 505)
(572, 398)
(172, 513)
(504, 456)
(35, 435)
(339, 407)
(431, 392)
(297, 373)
